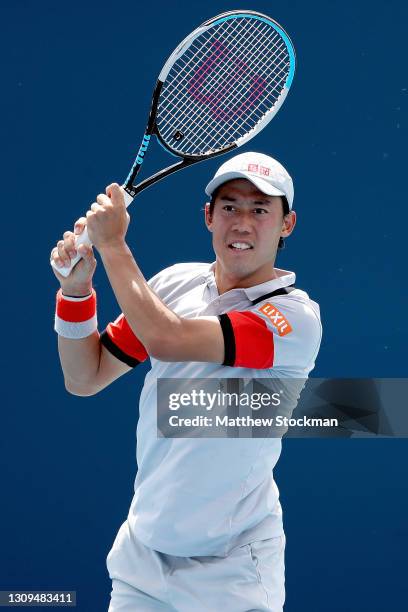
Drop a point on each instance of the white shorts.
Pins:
(250, 578)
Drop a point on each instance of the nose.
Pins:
(243, 222)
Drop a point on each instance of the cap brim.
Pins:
(260, 183)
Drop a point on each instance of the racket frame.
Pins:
(152, 129)
(130, 189)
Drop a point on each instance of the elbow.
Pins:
(163, 349)
(80, 390)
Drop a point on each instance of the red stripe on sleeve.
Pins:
(123, 337)
(254, 347)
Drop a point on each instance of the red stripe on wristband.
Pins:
(76, 312)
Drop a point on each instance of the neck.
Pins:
(226, 280)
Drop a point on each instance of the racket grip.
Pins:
(84, 239)
(80, 239)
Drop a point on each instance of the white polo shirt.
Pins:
(197, 497)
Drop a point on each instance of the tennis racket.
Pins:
(218, 89)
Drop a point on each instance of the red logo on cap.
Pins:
(264, 171)
(252, 167)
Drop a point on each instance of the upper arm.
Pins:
(272, 337)
(238, 339)
(110, 369)
(260, 338)
(198, 339)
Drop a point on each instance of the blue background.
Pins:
(76, 91)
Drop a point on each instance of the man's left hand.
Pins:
(108, 220)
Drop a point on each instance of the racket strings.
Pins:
(223, 85)
(206, 123)
(257, 114)
(189, 65)
(228, 74)
(202, 137)
(206, 136)
(193, 60)
(234, 96)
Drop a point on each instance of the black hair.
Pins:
(285, 210)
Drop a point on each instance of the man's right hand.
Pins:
(79, 282)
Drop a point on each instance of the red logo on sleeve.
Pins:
(278, 320)
(252, 167)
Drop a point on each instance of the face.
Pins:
(246, 226)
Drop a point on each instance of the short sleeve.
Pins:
(120, 340)
(269, 336)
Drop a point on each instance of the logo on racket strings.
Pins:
(222, 98)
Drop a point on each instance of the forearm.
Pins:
(164, 334)
(79, 346)
(151, 321)
(80, 360)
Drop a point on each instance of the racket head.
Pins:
(223, 84)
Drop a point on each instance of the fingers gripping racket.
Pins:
(218, 89)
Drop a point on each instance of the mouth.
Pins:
(240, 246)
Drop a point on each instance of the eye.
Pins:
(260, 211)
(228, 208)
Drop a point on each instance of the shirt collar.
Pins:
(285, 279)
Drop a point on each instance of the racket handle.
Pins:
(80, 239)
(83, 239)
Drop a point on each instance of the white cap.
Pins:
(267, 174)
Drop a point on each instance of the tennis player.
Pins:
(204, 529)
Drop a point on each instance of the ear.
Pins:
(207, 216)
(288, 224)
